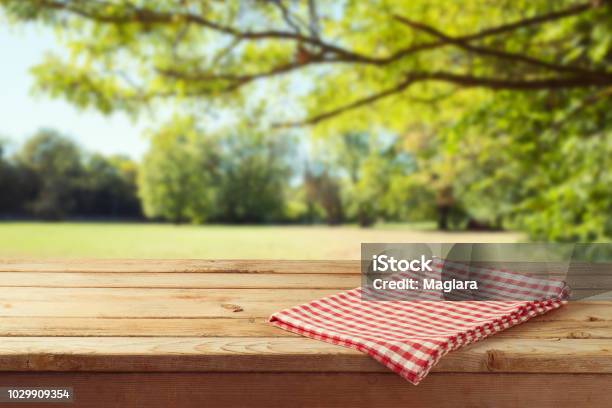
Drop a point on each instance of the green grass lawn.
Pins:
(132, 240)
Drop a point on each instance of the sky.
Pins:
(22, 113)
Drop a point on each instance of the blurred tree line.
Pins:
(500, 111)
(191, 176)
(51, 178)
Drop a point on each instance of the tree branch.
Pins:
(236, 81)
(489, 32)
(461, 42)
(287, 15)
(460, 80)
(564, 82)
(314, 19)
(498, 53)
(144, 15)
(351, 106)
(148, 16)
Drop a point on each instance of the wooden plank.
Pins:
(263, 354)
(210, 265)
(246, 327)
(560, 329)
(579, 312)
(212, 280)
(445, 390)
(131, 327)
(179, 265)
(142, 303)
(130, 302)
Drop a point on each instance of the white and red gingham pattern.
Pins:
(410, 337)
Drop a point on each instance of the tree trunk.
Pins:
(443, 212)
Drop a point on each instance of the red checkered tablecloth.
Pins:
(410, 337)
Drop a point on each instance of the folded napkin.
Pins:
(410, 337)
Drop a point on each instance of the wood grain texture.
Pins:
(151, 302)
(240, 354)
(329, 390)
(179, 265)
(179, 280)
(213, 280)
(135, 327)
(227, 265)
(148, 302)
(579, 311)
(247, 327)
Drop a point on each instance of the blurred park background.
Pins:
(298, 129)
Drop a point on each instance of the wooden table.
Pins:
(194, 333)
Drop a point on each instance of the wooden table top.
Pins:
(210, 316)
